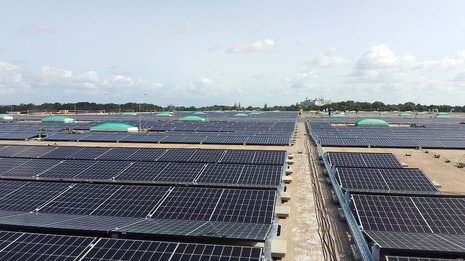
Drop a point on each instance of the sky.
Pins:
(207, 52)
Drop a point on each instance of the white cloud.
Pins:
(328, 59)
(10, 76)
(382, 74)
(40, 29)
(304, 81)
(266, 45)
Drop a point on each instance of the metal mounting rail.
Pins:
(360, 242)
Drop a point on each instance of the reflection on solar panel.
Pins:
(407, 181)
(32, 247)
(404, 258)
(364, 160)
(443, 215)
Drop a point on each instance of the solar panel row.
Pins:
(364, 160)
(271, 157)
(244, 139)
(160, 210)
(238, 175)
(432, 135)
(402, 181)
(28, 246)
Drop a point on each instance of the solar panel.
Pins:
(34, 151)
(12, 150)
(68, 169)
(407, 181)
(177, 155)
(102, 170)
(112, 249)
(180, 172)
(143, 171)
(411, 214)
(404, 258)
(363, 160)
(7, 164)
(227, 205)
(28, 246)
(7, 187)
(238, 156)
(189, 203)
(88, 153)
(31, 196)
(61, 153)
(146, 154)
(117, 154)
(30, 168)
(221, 173)
(205, 155)
(422, 243)
(24, 246)
(269, 157)
(131, 201)
(106, 200)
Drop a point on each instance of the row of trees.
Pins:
(380, 106)
(131, 106)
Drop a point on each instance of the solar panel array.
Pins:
(398, 208)
(403, 181)
(279, 139)
(29, 246)
(259, 129)
(260, 169)
(402, 222)
(364, 160)
(435, 134)
(262, 157)
(112, 207)
(225, 196)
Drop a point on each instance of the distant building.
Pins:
(318, 102)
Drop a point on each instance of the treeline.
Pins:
(132, 106)
(380, 106)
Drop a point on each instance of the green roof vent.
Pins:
(114, 127)
(129, 113)
(164, 114)
(6, 117)
(241, 115)
(57, 119)
(192, 118)
(371, 123)
(338, 115)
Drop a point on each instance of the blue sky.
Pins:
(221, 52)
